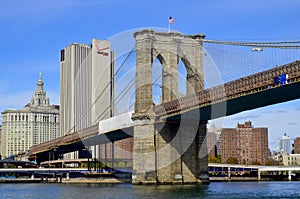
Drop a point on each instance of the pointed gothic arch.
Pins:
(182, 74)
(157, 65)
(194, 77)
(169, 49)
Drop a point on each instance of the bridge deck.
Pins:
(235, 89)
(253, 91)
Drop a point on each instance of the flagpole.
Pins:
(171, 20)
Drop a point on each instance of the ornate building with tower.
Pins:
(35, 123)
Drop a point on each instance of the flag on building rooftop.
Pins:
(171, 19)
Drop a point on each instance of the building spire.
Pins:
(40, 84)
(40, 98)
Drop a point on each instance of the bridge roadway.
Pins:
(246, 93)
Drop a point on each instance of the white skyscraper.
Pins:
(285, 144)
(86, 86)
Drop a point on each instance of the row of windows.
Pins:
(21, 118)
(26, 118)
(292, 158)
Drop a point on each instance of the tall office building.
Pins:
(285, 144)
(247, 144)
(36, 123)
(86, 86)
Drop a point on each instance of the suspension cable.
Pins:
(279, 44)
(128, 55)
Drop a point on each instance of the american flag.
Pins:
(171, 20)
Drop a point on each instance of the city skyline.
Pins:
(33, 36)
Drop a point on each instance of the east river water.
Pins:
(213, 190)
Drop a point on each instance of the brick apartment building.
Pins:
(247, 144)
(297, 145)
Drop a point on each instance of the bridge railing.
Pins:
(79, 135)
(64, 140)
(44, 146)
(250, 84)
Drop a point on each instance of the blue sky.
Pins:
(33, 32)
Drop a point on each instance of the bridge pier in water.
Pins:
(174, 152)
(168, 151)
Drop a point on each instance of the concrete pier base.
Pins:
(144, 168)
(173, 152)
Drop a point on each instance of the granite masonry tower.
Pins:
(168, 151)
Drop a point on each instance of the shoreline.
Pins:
(118, 181)
(65, 181)
(95, 181)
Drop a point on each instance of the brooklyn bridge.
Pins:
(169, 144)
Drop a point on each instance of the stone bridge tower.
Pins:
(168, 151)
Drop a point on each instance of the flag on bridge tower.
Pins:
(171, 20)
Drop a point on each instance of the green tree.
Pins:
(256, 162)
(11, 166)
(214, 160)
(271, 162)
(232, 160)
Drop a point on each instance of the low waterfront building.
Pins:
(290, 159)
(35, 123)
